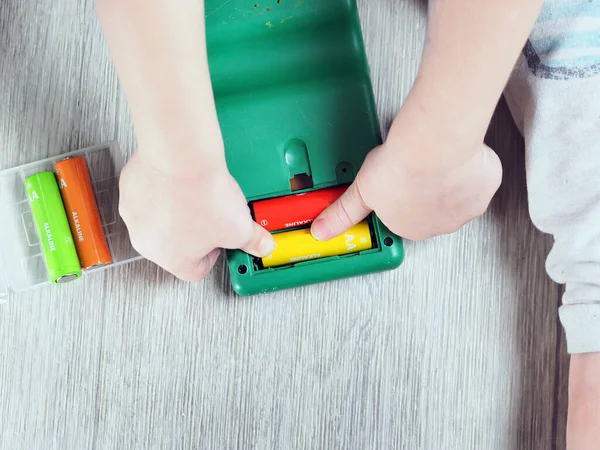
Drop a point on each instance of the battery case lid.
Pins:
(22, 265)
(293, 92)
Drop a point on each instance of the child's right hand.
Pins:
(181, 222)
(434, 173)
(426, 180)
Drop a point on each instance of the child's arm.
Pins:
(159, 51)
(583, 427)
(178, 200)
(441, 172)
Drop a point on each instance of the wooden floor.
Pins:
(458, 349)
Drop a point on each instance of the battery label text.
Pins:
(49, 237)
(297, 224)
(80, 237)
(305, 257)
(349, 244)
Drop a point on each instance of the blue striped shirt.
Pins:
(565, 42)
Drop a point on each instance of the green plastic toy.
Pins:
(291, 77)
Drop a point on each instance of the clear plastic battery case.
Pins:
(22, 264)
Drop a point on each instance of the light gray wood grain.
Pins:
(458, 349)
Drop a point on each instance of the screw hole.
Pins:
(243, 270)
(388, 242)
(344, 170)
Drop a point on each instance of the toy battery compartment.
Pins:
(295, 102)
(22, 264)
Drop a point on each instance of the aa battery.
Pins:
(294, 211)
(53, 228)
(82, 210)
(299, 245)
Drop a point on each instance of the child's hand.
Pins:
(414, 186)
(434, 174)
(182, 222)
(177, 198)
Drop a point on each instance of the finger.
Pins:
(200, 270)
(261, 243)
(342, 215)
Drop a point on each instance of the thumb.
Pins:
(342, 215)
(261, 243)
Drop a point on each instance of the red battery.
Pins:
(294, 211)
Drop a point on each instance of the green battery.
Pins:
(52, 224)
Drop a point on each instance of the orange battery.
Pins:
(84, 218)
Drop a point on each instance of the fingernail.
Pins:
(320, 231)
(266, 246)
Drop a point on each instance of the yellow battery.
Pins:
(298, 246)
